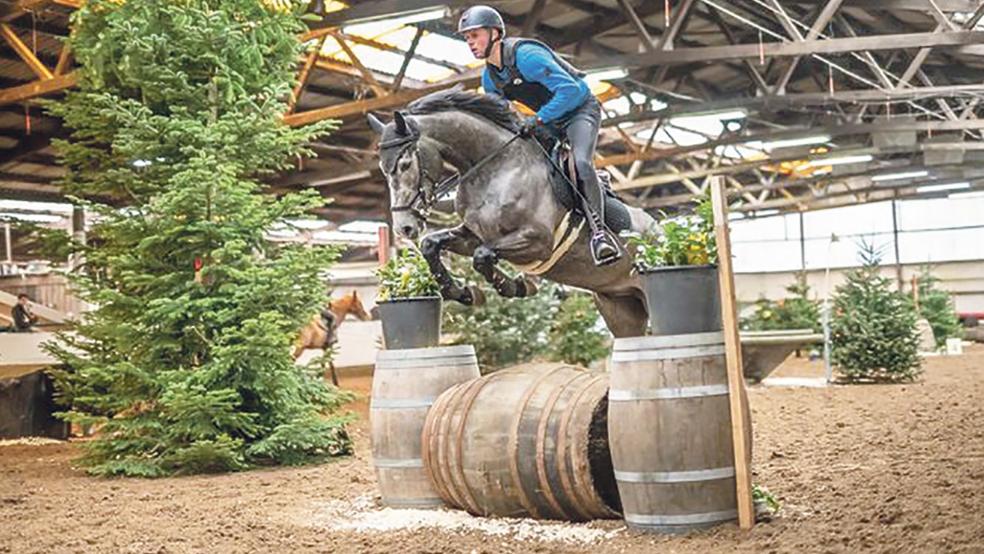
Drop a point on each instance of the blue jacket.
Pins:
(537, 64)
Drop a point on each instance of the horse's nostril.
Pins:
(407, 231)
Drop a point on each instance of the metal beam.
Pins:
(789, 49)
(800, 99)
(831, 130)
(676, 25)
(825, 15)
(398, 81)
(533, 18)
(910, 5)
(640, 28)
(381, 9)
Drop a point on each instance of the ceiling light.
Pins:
(802, 141)
(408, 17)
(946, 186)
(840, 161)
(607, 75)
(974, 194)
(900, 175)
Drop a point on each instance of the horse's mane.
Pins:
(495, 110)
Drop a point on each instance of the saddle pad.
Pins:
(616, 214)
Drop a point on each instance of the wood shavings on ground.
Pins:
(29, 441)
(363, 516)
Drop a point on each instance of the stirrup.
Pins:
(604, 250)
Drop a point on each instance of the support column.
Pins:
(895, 240)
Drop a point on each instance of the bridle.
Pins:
(423, 200)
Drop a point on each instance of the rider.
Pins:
(528, 71)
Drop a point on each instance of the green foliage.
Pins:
(687, 240)
(936, 305)
(186, 358)
(873, 328)
(504, 331)
(509, 331)
(406, 276)
(762, 497)
(574, 337)
(798, 311)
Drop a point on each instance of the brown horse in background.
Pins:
(322, 331)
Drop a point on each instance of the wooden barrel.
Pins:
(404, 385)
(527, 441)
(669, 425)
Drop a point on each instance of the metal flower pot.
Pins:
(682, 299)
(411, 322)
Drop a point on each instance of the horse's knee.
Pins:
(430, 247)
(484, 258)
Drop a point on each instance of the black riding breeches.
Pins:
(581, 127)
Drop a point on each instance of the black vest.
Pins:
(515, 87)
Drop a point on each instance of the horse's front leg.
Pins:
(457, 239)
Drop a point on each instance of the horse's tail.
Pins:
(643, 223)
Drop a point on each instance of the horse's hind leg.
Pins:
(625, 315)
(485, 260)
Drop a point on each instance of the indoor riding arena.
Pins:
(528, 276)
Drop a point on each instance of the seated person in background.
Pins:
(24, 319)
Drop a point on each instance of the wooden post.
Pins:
(732, 347)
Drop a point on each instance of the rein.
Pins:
(439, 188)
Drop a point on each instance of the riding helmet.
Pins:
(477, 17)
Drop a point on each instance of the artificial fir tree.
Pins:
(936, 305)
(185, 358)
(873, 329)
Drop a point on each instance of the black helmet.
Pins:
(477, 17)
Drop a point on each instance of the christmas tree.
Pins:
(936, 305)
(185, 359)
(575, 337)
(873, 329)
(797, 311)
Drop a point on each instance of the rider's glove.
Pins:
(528, 127)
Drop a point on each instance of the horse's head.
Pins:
(356, 308)
(349, 304)
(411, 163)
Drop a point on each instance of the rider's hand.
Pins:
(529, 126)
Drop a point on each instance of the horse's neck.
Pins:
(464, 139)
(341, 309)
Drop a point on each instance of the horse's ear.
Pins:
(401, 124)
(355, 294)
(375, 124)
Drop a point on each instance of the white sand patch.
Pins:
(363, 516)
(32, 441)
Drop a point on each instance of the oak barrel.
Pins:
(670, 432)
(527, 441)
(404, 385)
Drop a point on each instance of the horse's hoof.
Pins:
(476, 294)
(527, 287)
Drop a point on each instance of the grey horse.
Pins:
(507, 206)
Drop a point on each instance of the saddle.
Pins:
(616, 215)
